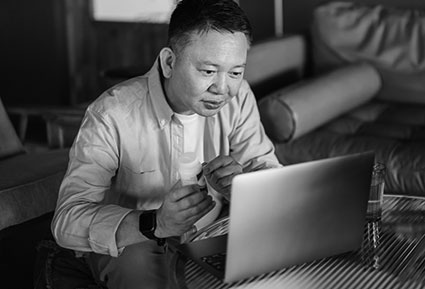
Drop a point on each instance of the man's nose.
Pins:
(220, 84)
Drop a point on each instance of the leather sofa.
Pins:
(356, 83)
(29, 183)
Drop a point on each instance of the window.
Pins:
(154, 11)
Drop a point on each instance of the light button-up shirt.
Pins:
(125, 157)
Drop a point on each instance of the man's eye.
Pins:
(208, 72)
(236, 74)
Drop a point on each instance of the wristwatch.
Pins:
(147, 226)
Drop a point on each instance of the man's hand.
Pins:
(220, 173)
(182, 207)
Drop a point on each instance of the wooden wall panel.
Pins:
(127, 49)
(81, 42)
(98, 48)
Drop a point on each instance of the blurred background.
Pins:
(60, 54)
(65, 52)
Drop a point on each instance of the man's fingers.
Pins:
(193, 200)
(194, 214)
(225, 172)
(218, 162)
(189, 216)
(183, 192)
(198, 209)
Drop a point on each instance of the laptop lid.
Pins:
(298, 213)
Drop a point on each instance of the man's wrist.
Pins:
(148, 225)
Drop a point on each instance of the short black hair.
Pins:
(203, 15)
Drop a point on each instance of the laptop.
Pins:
(288, 216)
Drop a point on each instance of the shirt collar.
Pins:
(161, 108)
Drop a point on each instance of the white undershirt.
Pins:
(193, 129)
(193, 141)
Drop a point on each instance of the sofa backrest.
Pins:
(297, 14)
(9, 140)
(275, 63)
(392, 39)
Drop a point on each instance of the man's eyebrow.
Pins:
(216, 65)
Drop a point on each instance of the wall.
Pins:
(261, 16)
(52, 53)
(103, 53)
(55, 54)
(33, 53)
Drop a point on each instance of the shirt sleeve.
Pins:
(250, 145)
(81, 222)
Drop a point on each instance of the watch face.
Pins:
(147, 221)
(147, 226)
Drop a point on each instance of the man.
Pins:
(121, 195)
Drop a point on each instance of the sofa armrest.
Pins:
(298, 109)
(10, 144)
(276, 62)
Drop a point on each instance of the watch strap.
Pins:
(147, 226)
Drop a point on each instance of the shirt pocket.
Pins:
(140, 169)
(144, 181)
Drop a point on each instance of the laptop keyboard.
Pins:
(217, 261)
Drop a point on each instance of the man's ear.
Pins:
(167, 59)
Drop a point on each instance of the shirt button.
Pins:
(162, 122)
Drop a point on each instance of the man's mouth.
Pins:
(213, 104)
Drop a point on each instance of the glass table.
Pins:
(392, 256)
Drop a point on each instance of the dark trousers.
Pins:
(142, 265)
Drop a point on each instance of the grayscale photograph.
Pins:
(212, 144)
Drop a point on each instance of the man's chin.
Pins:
(208, 113)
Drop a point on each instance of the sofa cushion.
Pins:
(29, 185)
(392, 39)
(298, 109)
(394, 131)
(9, 141)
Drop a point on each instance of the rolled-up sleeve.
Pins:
(103, 229)
(82, 222)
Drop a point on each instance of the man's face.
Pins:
(207, 73)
